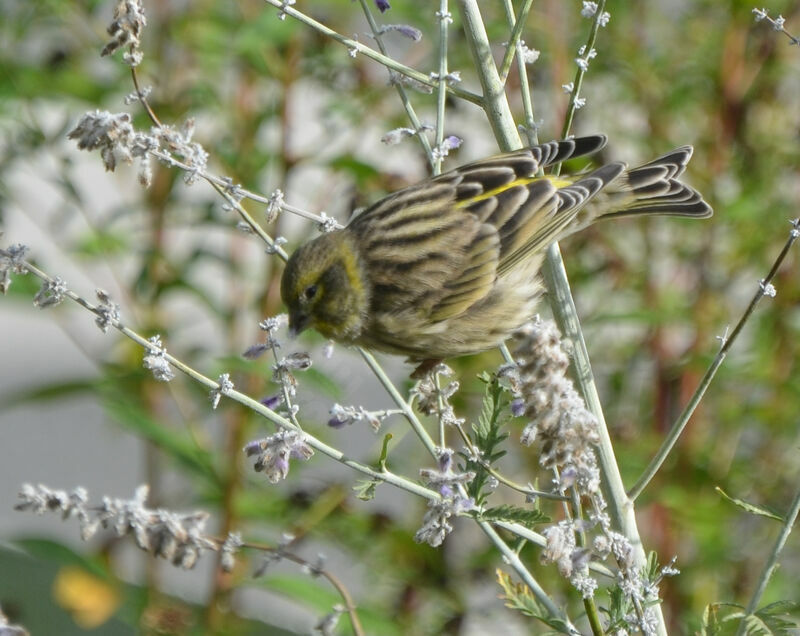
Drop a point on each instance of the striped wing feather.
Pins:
(441, 244)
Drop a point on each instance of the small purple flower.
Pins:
(445, 480)
(255, 351)
(272, 401)
(412, 33)
(383, 5)
(274, 452)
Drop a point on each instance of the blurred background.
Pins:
(277, 105)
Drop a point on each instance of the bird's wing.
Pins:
(420, 252)
(441, 244)
(529, 212)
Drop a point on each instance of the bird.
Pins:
(450, 266)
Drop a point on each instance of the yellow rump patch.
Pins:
(558, 182)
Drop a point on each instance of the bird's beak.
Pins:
(298, 322)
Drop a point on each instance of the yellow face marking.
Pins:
(349, 260)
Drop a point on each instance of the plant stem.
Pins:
(441, 97)
(514, 40)
(401, 91)
(772, 562)
(372, 53)
(513, 559)
(727, 342)
(578, 82)
(494, 100)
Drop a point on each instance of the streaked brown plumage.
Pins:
(449, 266)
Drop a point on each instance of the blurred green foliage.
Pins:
(278, 105)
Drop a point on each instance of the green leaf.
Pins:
(54, 391)
(725, 619)
(55, 552)
(751, 508)
(365, 488)
(518, 596)
(619, 608)
(528, 517)
(773, 617)
(487, 436)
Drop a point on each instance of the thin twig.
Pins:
(772, 562)
(401, 91)
(579, 74)
(677, 428)
(241, 398)
(142, 99)
(349, 605)
(514, 40)
(441, 98)
(372, 53)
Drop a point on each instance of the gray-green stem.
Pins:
(772, 562)
(680, 424)
(513, 42)
(401, 91)
(385, 60)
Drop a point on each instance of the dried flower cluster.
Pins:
(558, 416)
(433, 400)
(174, 536)
(115, 137)
(224, 386)
(229, 549)
(155, 360)
(572, 561)
(345, 415)
(11, 262)
(567, 432)
(107, 311)
(52, 293)
(126, 31)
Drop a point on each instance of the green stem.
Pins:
(514, 561)
(372, 53)
(494, 100)
(401, 91)
(400, 401)
(514, 40)
(349, 605)
(578, 81)
(677, 428)
(441, 98)
(772, 562)
(524, 85)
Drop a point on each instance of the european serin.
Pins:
(449, 266)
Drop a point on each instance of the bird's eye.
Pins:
(310, 291)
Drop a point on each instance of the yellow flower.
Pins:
(90, 600)
(449, 266)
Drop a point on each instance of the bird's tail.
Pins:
(654, 189)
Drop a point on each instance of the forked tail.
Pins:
(654, 189)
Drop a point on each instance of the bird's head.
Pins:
(324, 286)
